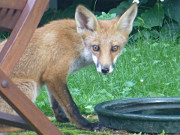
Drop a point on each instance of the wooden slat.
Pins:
(13, 120)
(13, 4)
(8, 18)
(23, 106)
(21, 34)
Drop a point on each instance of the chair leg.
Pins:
(13, 120)
(25, 108)
(6, 129)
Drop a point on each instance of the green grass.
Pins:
(71, 129)
(146, 69)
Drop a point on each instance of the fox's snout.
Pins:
(105, 69)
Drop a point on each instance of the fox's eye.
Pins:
(114, 48)
(95, 48)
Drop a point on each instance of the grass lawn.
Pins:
(146, 69)
(71, 129)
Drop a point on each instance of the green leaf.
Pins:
(172, 9)
(153, 17)
(107, 16)
(138, 22)
(69, 12)
(170, 31)
(129, 84)
(120, 8)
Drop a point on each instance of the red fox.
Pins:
(65, 46)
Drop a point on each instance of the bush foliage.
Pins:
(155, 19)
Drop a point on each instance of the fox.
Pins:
(62, 47)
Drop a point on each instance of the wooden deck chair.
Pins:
(21, 17)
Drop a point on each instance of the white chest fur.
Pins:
(83, 60)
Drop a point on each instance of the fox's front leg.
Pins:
(58, 111)
(62, 95)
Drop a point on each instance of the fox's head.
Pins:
(105, 38)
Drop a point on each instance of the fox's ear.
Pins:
(125, 22)
(85, 20)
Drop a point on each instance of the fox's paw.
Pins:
(61, 118)
(98, 126)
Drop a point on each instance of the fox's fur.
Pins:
(64, 46)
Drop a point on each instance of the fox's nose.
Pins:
(105, 70)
